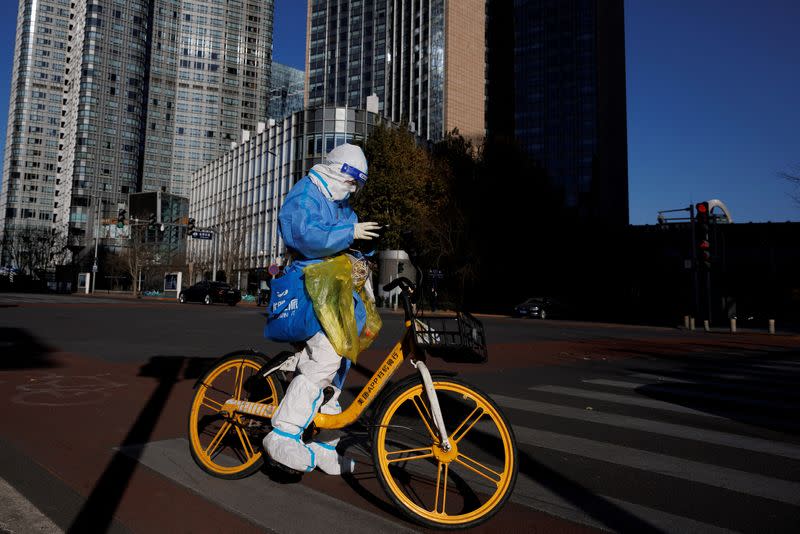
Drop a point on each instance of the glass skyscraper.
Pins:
(286, 93)
(111, 97)
(209, 76)
(34, 117)
(566, 64)
(103, 122)
(423, 59)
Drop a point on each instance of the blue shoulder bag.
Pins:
(291, 315)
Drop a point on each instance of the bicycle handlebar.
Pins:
(407, 288)
(402, 281)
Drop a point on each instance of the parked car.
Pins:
(539, 308)
(210, 292)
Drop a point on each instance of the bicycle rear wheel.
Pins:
(459, 488)
(224, 443)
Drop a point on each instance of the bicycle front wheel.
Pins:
(459, 488)
(225, 443)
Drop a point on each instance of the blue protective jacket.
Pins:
(314, 228)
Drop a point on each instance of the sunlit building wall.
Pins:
(424, 60)
(209, 78)
(287, 87)
(34, 117)
(238, 195)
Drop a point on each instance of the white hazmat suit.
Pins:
(316, 221)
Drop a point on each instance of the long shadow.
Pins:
(597, 507)
(736, 388)
(98, 511)
(19, 349)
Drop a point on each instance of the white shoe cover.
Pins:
(284, 444)
(329, 461)
(289, 451)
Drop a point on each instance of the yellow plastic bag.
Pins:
(330, 286)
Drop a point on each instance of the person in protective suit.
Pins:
(316, 221)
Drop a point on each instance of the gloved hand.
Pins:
(365, 230)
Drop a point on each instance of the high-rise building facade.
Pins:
(209, 79)
(111, 97)
(103, 122)
(240, 194)
(423, 59)
(566, 64)
(34, 118)
(287, 91)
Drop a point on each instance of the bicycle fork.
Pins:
(436, 410)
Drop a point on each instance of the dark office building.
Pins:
(423, 59)
(565, 61)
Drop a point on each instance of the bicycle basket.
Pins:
(459, 338)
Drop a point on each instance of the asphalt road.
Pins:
(620, 428)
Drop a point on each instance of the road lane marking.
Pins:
(661, 405)
(779, 362)
(786, 450)
(712, 475)
(265, 503)
(779, 367)
(771, 391)
(622, 399)
(529, 492)
(677, 392)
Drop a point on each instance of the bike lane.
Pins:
(66, 417)
(72, 429)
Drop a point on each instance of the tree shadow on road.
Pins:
(97, 513)
(19, 349)
(744, 389)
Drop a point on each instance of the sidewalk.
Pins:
(19, 516)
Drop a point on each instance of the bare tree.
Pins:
(794, 179)
(230, 236)
(137, 257)
(34, 249)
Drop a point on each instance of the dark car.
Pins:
(210, 292)
(539, 308)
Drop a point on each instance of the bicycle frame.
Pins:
(373, 386)
(371, 390)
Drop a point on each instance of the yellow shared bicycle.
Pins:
(443, 451)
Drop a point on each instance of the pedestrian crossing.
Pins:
(713, 442)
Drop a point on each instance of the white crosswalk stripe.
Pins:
(686, 393)
(722, 477)
(786, 450)
(743, 389)
(621, 399)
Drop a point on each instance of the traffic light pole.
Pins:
(695, 265)
(214, 273)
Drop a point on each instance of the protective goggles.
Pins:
(357, 175)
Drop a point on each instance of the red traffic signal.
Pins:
(703, 230)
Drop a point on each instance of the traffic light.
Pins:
(400, 267)
(703, 229)
(151, 222)
(121, 219)
(190, 227)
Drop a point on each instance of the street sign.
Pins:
(436, 274)
(202, 234)
(273, 269)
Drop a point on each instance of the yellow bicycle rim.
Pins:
(228, 379)
(497, 478)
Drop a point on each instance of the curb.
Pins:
(19, 515)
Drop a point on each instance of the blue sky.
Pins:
(713, 105)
